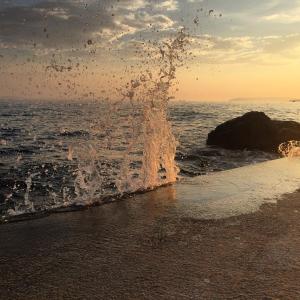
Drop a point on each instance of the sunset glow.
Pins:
(240, 49)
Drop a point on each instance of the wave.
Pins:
(290, 149)
(75, 133)
(10, 132)
(19, 150)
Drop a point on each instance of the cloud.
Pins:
(246, 49)
(247, 30)
(168, 5)
(284, 18)
(51, 24)
(69, 24)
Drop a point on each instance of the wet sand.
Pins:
(143, 249)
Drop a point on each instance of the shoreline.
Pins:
(30, 216)
(212, 196)
(145, 252)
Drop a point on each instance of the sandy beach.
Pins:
(138, 249)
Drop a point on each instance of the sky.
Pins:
(75, 49)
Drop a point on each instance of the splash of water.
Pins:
(27, 206)
(150, 146)
(130, 147)
(289, 149)
(88, 182)
(151, 94)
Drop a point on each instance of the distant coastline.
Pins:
(263, 99)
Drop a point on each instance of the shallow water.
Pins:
(36, 142)
(238, 191)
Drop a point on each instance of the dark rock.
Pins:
(254, 131)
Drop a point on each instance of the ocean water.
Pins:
(45, 146)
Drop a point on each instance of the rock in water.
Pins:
(254, 131)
